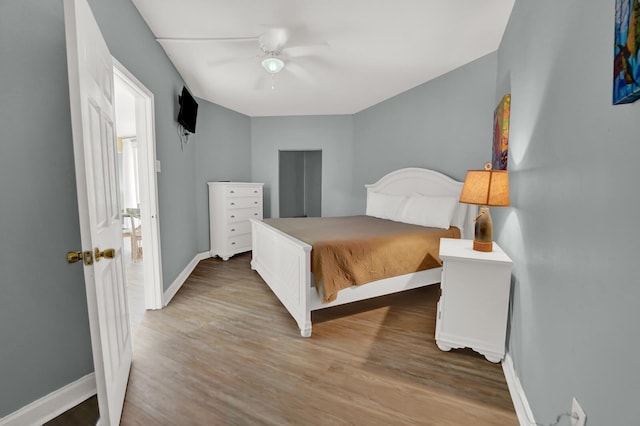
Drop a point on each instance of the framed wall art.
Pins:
(501, 117)
(626, 70)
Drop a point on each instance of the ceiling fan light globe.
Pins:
(272, 65)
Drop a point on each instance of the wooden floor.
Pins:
(226, 352)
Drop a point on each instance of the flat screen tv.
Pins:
(188, 111)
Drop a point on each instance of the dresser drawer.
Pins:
(243, 202)
(239, 241)
(241, 191)
(239, 228)
(238, 215)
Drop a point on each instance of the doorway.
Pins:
(300, 183)
(136, 158)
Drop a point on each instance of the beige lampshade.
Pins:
(486, 188)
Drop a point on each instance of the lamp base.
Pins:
(483, 246)
(483, 236)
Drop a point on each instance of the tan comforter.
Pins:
(355, 250)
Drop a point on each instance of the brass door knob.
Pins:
(76, 256)
(107, 254)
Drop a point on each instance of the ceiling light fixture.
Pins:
(272, 64)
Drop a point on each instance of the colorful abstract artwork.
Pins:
(626, 70)
(501, 134)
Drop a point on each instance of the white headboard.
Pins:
(413, 180)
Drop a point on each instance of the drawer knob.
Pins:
(255, 202)
(232, 192)
(233, 243)
(232, 216)
(255, 214)
(233, 230)
(255, 192)
(233, 204)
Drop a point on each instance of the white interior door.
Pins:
(92, 115)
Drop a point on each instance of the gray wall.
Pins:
(571, 232)
(223, 152)
(444, 125)
(44, 326)
(332, 134)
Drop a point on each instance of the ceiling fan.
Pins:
(278, 49)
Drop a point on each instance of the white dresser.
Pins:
(474, 304)
(231, 205)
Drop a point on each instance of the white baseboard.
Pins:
(178, 282)
(54, 404)
(520, 402)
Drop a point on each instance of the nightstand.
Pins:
(474, 300)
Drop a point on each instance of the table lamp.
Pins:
(485, 188)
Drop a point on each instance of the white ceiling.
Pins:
(341, 56)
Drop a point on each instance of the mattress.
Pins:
(355, 250)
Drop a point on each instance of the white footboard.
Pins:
(284, 263)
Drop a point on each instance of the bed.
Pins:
(410, 195)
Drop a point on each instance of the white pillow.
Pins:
(459, 215)
(385, 206)
(435, 212)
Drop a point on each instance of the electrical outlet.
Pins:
(578, 417)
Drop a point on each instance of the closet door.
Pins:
(313, 183)
(300, 183)
(291, 178)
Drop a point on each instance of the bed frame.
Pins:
(284, 262)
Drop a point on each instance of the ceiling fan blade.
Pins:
(205, 39)
(317, 64)
(230, 61)
(307, 50)
(300, 72)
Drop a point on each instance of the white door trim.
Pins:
(148, 185)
